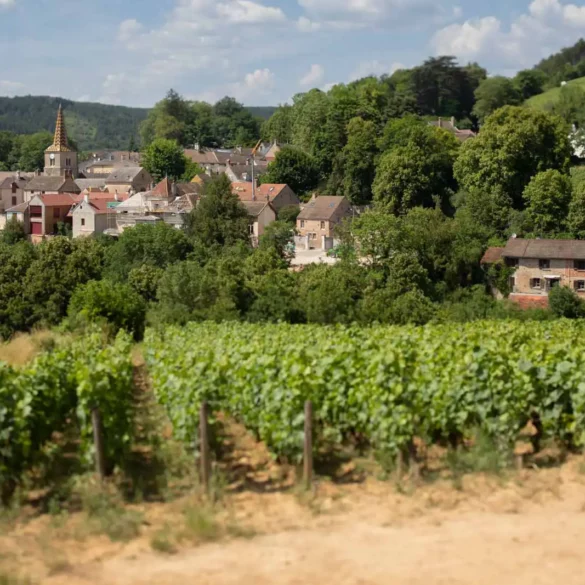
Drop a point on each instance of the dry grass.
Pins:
(23, 347)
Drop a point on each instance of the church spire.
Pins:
(60, 143)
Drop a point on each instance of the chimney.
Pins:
(18, 175)
(116, 196)
(86, 197)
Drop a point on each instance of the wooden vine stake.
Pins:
(204, 457)
(308, 448)
(98, 441)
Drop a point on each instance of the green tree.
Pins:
(354, 168)
(144, 280)
(294, 168)
(571, 105)
(32, 151)
(514, 145)
(279, 237)
(153, 245)
(530, 82)
(564, 302)
(219, 219)
(576, 218)
(547, 198)
(289, 214)
(13, 232)
(280, 125)
(494, 93)
(116, 304)
(164, 158)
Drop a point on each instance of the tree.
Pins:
(144, 280)
(294, 168)
(116, 304)
(530, 82)
(289, 214)
(279, 237)
(514, 145)
(164, 158)
(154, 245)
(571, 105)
(219, 219)
(564, 302)
(32, 151)
(354, 167)
(13, 232)
(547, 198)
(279, 126)
(576, 218)
(494, 93)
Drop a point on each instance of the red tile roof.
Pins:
(163, 189)
(492, 256)
(60, 199)
(265, 192)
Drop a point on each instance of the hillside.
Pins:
(546, 100)
(91, 125)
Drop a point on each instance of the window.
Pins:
(56, 212)
(13, 201)
(536, 283)
(67, 162)
(251, 229)
(512, 262)
(322, 225)
(313, 236)
(579, 264)
(580, 285)
(302, 223)
(83, 221)
(14, 187)
(52, 162)
(544, 264)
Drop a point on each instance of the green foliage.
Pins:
(576, 218)
(164, 158)
(571, 105)
(144, 280)
(388, 384)
(564, 302)
(547, 198)
(219, 219)
(13, 232)
(153, 245)
(32, 151)
(530, 82)
(294, 168)
(494, 93)
(564, 65)
(514, 145)
(289, 214)
(118, 305)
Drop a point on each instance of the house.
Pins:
(92, 216)
(12, 191)
(279, 195)
(20, 213)
(60, 158)
(541, 265)
(262, 214)
(41, 185)
(93, 183)
(125, 179)
(449, 125)
(244, 173)
(46, 212)
(269, 155)
(317, 221)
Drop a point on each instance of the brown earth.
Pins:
(526, 528)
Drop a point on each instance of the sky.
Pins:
(262, 52)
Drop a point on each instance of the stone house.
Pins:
(12, 191)
(41, 185)
(279, 195)
(20, 213)
(125, 179)
(541, 265)
(262, 214)
(319, 218)
(449, 125)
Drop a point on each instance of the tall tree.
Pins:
(494, 93)
(530, 82)
(164, 158)
(32, 151)
(294, 168)
(514, 145)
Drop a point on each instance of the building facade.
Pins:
(319, 218)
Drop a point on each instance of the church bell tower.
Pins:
(60, 158)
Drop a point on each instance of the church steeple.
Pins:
(60, 143)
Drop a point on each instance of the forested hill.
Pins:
(91, 125)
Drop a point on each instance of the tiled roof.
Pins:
(8, 181)
(21, 208)
(163, 189)
(255, 208)
(267, 192)
(52, 184)
(321, 208)
(59, 199)
(92, 182)
(60, 143)
(545, 249)
(492, 255)
(188, 188)
(124, 174)
(529, 301)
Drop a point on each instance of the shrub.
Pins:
(564, 302)
(119, 305)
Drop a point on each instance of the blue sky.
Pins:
(260, 51)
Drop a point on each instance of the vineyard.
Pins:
(379, 386)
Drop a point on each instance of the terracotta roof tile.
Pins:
(492, 255)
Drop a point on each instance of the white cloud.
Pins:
(10, 88)
(314, 76)
(375, 67)
(305, 24)
(6, 3)
(354, 13)
(128, 30)
(545, 28)
(244, 11)
(257, 83)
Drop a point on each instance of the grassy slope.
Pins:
(550, 97)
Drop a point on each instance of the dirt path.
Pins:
(541, 547)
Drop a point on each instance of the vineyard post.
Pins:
(308, 450)
(205, 460)
(98, 440)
